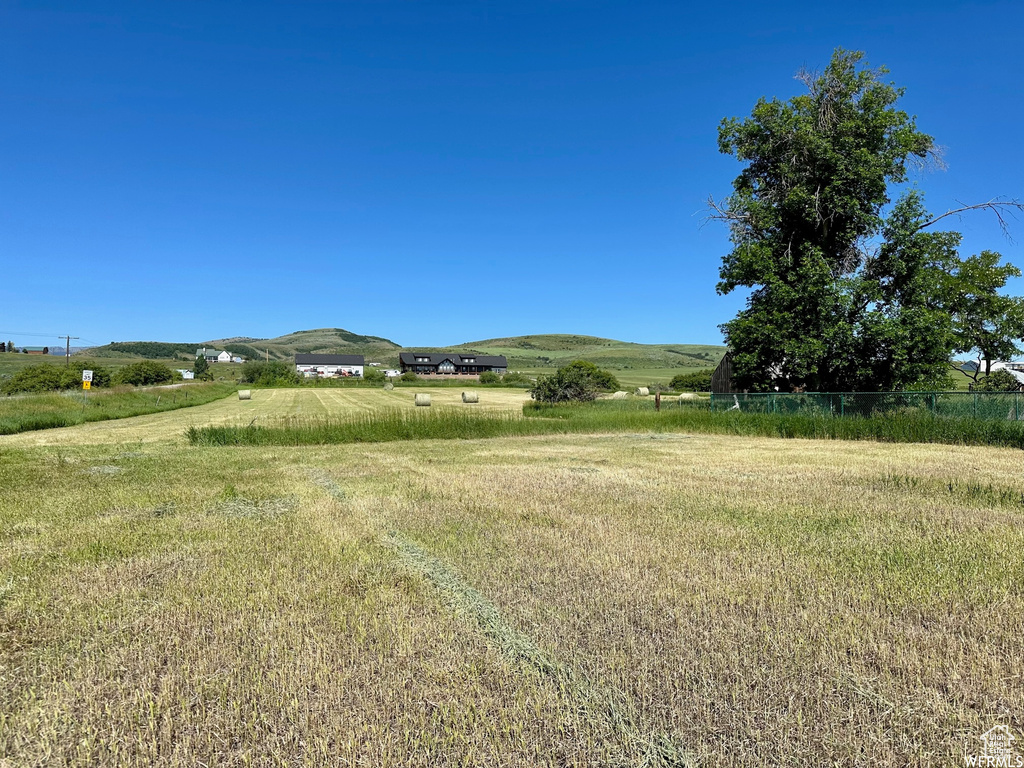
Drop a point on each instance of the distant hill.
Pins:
(553, 350)
(523, 352)
(322, 340)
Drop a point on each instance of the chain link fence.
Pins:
(1006, 406)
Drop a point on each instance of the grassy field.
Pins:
(269, 407)
(562, 600)
(23, 413)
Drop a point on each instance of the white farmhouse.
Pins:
(213, 356)
(328, 366)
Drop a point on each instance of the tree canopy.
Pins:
(848, 291)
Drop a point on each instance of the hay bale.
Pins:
(620, 395)
(422, 399)
(244, 394)
(642, 391)
(389, 386)
(470, 397)
(688, 396)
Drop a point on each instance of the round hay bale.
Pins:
(620, 395)
(389, 386)
(470, 397)
(643, 391)
(422, 399)
(687, 396)
(244, 394)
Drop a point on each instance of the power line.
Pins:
(25, 333)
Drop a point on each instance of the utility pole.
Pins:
(268, 355)
(67, 351)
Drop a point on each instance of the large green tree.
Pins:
(847, 290)
(986, 323)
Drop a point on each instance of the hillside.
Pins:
(552, 350)
(525, 353)
(323, 340)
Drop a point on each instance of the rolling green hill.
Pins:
(634, 364)
(324, 340)
(553, 350)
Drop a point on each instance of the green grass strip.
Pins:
(453, 424)
(47, 411)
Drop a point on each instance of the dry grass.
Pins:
(532, 601)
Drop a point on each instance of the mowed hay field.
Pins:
(565, 600)
(268, 407)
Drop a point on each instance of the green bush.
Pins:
(374, 375)
(603, 380)
(516, 378)
(408, 376)
(566, 385)
(698, 381)
(42, 378)
(489, 377)
(144, 373)
(998, 381)
(268, 374)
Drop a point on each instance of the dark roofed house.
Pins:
(451, 363)
(324, 366)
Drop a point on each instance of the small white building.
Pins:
(186, 374)
(392, 374)
(329, 366)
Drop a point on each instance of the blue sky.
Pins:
(433, 172)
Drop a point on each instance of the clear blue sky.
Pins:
(433, 172)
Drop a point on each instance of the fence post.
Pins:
(1016, 406)
(842, 405)
(933, 403)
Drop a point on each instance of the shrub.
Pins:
(568, 384)
(489, 377)
(268, 374)
(602, 380)
(201, 368)
(374, 375)
(42, 378)
(408, 376)
(999, 381)
(514, 377)
(144, 373)
(697, 381)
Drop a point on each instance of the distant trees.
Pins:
(11, 347)
(3, 346)
(846, 294)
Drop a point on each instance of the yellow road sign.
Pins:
(86, 385)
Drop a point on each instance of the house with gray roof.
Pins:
(451, 363)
